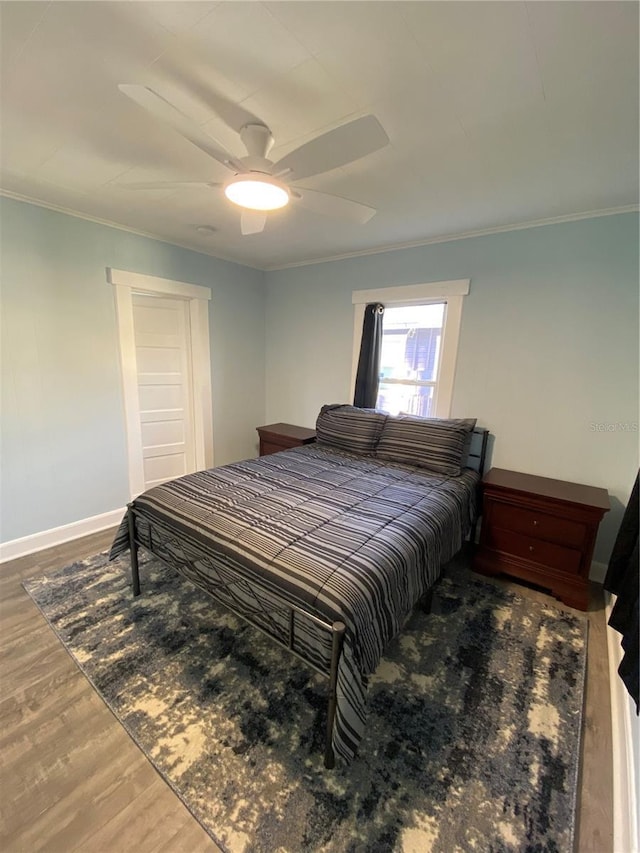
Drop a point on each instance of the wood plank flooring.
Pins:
(71, 779)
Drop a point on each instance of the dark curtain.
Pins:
(368, 375)
(622, 580)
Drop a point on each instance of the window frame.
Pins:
(452, 294)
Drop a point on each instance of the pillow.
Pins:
(349, 428)
(437, 444)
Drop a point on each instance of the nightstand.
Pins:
(540, 530)
(277, 437)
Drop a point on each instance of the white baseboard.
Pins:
(58, 535)
(625, 770)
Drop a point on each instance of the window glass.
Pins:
(410, 358)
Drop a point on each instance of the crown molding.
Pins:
(465, 235)
(109, 224)
(396, 247)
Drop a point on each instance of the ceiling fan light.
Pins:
(256, 192)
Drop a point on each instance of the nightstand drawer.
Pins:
(536, 550)
(539, 525)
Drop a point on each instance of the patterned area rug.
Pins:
(473, 736)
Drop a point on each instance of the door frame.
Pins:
(125, 284)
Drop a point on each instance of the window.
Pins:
(419, 346)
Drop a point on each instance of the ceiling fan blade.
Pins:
(166, 112)
(167, 185)
(333, 205)
(337, 147)
(252, 222)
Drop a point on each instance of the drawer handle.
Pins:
(535, 523)
(531, 547)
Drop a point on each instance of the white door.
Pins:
(163, 332)
(162, 338)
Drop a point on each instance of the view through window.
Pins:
(410, 358)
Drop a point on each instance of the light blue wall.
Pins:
(548, 348)
(548, 344)
(63, 442)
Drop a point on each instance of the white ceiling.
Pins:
(498, 113)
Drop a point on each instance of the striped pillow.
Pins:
(436, 444)
(349, 428)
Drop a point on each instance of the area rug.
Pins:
(473, 736)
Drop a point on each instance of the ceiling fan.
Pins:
(259, 185)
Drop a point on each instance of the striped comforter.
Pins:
(347, 537)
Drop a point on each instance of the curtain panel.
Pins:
(622, 581)
(368, 373)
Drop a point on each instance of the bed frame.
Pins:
(281, 616)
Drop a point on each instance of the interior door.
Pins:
(162, 337)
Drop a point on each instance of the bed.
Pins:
(326, 548)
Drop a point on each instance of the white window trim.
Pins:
(451, 292)
(125, 284)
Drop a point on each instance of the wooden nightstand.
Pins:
(277, 437)
(540, 530)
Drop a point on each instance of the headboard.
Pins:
(477, 456)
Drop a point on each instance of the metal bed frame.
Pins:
(286, 637)
(226, 581)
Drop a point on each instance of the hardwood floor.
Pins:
(71, 779)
